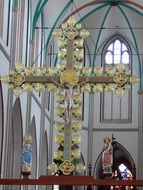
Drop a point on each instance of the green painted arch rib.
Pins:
(103, 1)
(87, 48)
(91, 12)
(56, 22)
(36, 16)
(37, 8)
(131, 8)
(98, 37)
(132, 3)
(95, 2)
(50, 35)
(135, 42)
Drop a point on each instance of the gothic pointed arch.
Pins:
(45, 153)
(120, 156)
(116, 50)
(16, 140)
(32, 132)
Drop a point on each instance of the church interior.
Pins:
(71, 103)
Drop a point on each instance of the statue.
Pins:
(107, 156)
(27, 154)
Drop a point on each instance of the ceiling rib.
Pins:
(135, 42)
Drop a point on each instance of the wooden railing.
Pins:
(71, 180)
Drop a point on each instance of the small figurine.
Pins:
(107, 156)
(27, 154)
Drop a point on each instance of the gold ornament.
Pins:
(5, 79)
(59, 127)
(17, 79)
(76, 154)
(19, 67)
(60, 112)
(27, 139)
(52, 87)
(120, 79)
(77, 99)
(29, 71)
(58, 155)
(59, 139)
(17, 91)
(53, 71)
(71, 32)
(97, 87)
(76, 139)
(70, 77)
(76, 125)
(60, 98)
(66, 167)
(80, 168)
(134, 79)
(53, 168)
(110, 71)
(98, 71)
(86, 71)
(40, 87)
(119, 92)
(85, 88)
(28, 87)
(76, 111)
(109, 88)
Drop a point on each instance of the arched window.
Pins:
(114, 109)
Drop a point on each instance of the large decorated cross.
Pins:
(68, 80)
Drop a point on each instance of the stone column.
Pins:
(90, 136)
(8, 130)
(90, 129)
(140, 136)
(50, 158)
(28, 107)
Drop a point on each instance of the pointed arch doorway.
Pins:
(121, 156)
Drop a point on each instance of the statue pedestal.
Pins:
(26, 175)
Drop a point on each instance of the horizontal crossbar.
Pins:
(49, 79)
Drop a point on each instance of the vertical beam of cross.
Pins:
(71, 33)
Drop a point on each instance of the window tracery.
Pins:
(113, 109)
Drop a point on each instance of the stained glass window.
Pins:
(124, 173)
(117, 53)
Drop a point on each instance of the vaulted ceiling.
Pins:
(102, 18)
